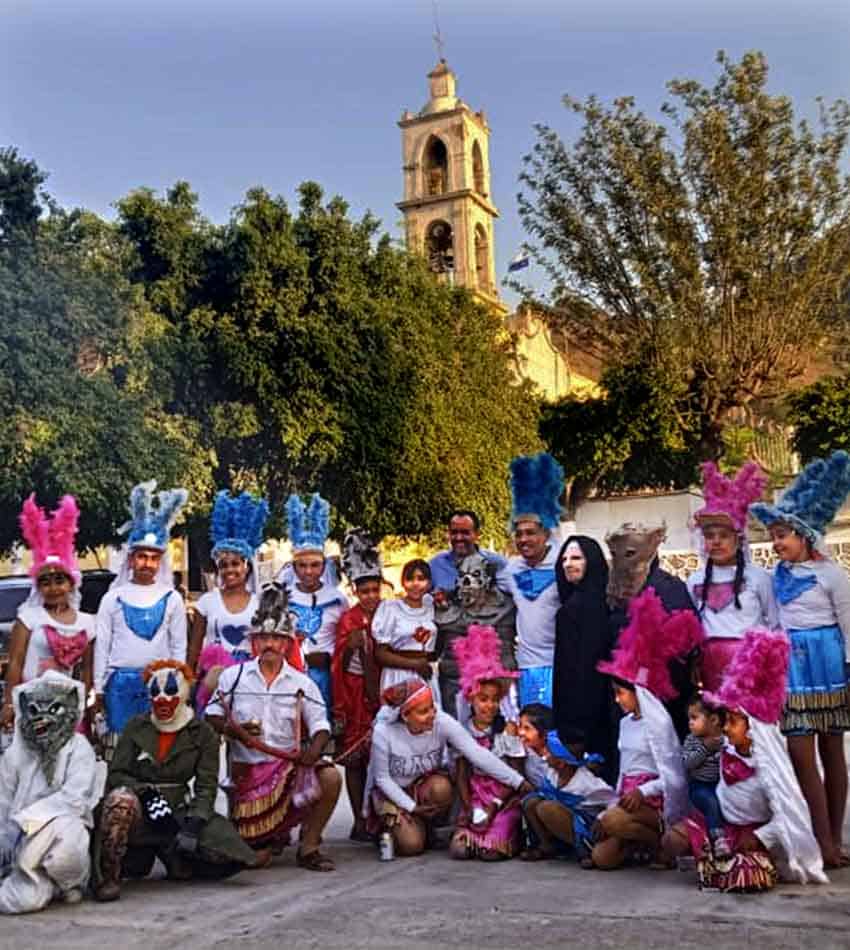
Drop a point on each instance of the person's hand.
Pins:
(510, 729)
(632, 800)
(526, 788)
(308, 758)
(7, 718)
(252, 726)
(356, 639)
(424, 669)
(441, 598)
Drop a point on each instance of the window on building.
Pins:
(436, 167)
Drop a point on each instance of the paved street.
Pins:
(433, 902)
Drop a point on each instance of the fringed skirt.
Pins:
(743, 872)
(353, 717)
(124, 696)
(503, 834)
(271, 798)
(817, 683)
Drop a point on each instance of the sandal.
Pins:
(314, 861)
(536, 854)
(586, 864)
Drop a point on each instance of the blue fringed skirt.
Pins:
(124, 696)
(817, 683)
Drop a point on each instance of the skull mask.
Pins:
(475, 580)
(48, 711)
(633, 548)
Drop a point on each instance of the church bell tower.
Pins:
(447, 208)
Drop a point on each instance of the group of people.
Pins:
(548, 704)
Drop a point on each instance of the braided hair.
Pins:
(737, 585)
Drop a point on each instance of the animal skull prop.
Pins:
(633, 547)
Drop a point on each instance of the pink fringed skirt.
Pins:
(504, 833)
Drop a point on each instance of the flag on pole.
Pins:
(520, 260)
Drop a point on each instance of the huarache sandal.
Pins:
(314, 861)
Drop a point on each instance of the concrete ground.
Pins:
(433, 902)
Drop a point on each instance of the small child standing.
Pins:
(489, 826)
(701, 755)
(354, 673)
(562, 811)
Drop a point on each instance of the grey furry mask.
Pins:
(48, 715)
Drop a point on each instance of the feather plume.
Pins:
(34, 528)
(652, 638)
(52, 538)
(755, 681)
(478, 656)
(295, 520)
(150, 526)
(319, 518)
(537, 482)
(308, 527)
(730, 497)
(237, 524)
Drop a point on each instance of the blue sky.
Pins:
(109, 95)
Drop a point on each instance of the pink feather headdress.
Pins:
(478, 656)
(727, 499)
(51, 538)
(651, 640)
(756, 680)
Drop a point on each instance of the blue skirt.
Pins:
(817, 683)
(322, 679)
(124, 696)
(535, 686)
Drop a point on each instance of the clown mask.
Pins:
(169, 684)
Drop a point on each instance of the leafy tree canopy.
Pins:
(820, 415)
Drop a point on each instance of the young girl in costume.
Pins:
(766, 823)
(562, 810)
(489, 826)
(731, 594)
(404, 629)
(407, 785)
(355, 674)
(536, 721)
(50, 633)
(813, 594)
(652, 787)
(222, 619)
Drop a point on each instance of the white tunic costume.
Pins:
(40, 657)
(401, 627)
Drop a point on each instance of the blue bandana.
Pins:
(787, 587)
(145, 621)
(534, 581)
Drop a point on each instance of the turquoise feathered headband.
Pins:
(308, 526)
(150, 524)
(814, 498)
(237, 523)
(537, 482)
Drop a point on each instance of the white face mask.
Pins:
(574, 562)
(169, 692)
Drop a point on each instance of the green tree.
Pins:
(79, 416)
(820, 414)
(716, 245)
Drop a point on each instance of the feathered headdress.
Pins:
(814, 498)
(51, 538)
(237, 523)
(652, 638)
(308, 526)
(361, 559)
(728, 499)
(755, 682)
(149, 526)
(478, 656)
(537, 483)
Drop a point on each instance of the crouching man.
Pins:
(149, 812)
(48, 789)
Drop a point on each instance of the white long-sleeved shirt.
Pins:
(117, 647)
(824, 604)
(636, 756)
(747, 803)
(535, 615)
(399, 757)
(758, 605)
(273, 704)
(316, 616)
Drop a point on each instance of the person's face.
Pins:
(269, 646)
(788, 545)
(144, 565)
(421, 717)
(721, 544)
(308, 570)
(736, 730)
(416, 585)
(485, 703)
(232, 571)
(530, 736)
(701, 724)
(626, 699)
(574, 562)
(463, 538)
(530, 539)
(561, 766)
(368, 595)
(55, 586)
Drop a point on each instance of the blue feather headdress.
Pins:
(150, 526)
(537, 482)
(237, 524)
(308, 526)
(814, 498)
